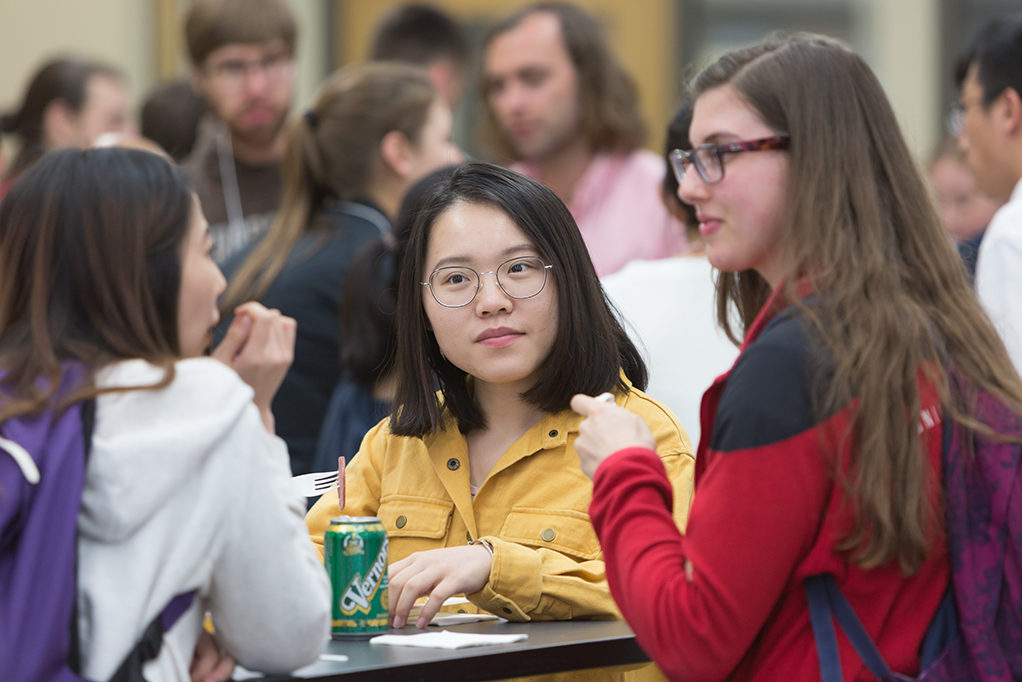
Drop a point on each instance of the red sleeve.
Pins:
(741, 561)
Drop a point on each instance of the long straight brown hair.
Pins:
(334, 152)
(90, 270)
(892, 298)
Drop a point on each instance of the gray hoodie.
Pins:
(185, 490)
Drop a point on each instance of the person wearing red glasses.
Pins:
(821, 450)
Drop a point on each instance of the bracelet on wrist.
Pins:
(485, 544)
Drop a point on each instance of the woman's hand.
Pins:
(209, 663)
(259, 346)
(438, 573)
(605, 430)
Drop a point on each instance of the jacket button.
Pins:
(453, 464)
(401, 521)
(548, 535)
(552, 433)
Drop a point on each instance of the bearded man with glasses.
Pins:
(242, 54)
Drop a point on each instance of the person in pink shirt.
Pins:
(562, 109)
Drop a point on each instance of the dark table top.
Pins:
(551, 647)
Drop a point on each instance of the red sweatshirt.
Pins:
(725, 600)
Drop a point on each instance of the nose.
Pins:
(692, 189)
(255, 79)
(491, 299)
(221, 281)
(511, 98)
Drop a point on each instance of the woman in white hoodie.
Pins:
(104, 264)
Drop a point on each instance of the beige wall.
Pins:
(906, 59)
(116, 31)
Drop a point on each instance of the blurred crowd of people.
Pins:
(780, 322)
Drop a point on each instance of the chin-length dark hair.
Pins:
(590, 349)
(90, 269)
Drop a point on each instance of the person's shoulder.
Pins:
(1006, 225)
(649, 408)
(336, 234)
(382, 439)
(343, 217)
(645, 163)
(777, 360)
(661, 272)
(773, 388)
(200, 386)
(670, 434)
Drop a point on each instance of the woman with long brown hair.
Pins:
(107, 296)
(373, 130)
(821, 448)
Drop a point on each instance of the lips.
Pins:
(709, 224)
(258, 115)
(522, 130)
(498, 337)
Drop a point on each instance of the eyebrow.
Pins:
(715, 138)
(506, 253)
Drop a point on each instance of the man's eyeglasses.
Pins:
(709, 158)
(954, 120)
(456, 286)
(232, 72)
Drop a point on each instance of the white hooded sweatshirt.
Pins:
(185, 490)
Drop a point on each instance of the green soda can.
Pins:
(355, 554)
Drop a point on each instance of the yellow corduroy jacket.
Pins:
(532, 508)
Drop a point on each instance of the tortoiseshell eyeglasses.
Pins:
(709, 158)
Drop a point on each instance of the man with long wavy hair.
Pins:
(560, 106)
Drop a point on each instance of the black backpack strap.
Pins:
(148, 646)
(88, 424)
(74, 654)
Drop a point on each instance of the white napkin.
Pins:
(443, 619)
(445, 639)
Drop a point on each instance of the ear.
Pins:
(396, 152)
(60, 125)
(1011, 117)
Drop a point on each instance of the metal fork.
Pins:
(315, 484)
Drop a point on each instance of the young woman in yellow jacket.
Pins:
(478, 484)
